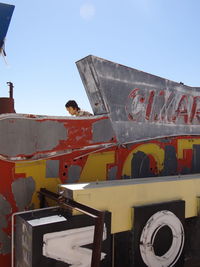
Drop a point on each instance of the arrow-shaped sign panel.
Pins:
(66, 245)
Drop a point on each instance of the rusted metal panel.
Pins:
(6, 105)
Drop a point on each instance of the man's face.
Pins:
(71, 110)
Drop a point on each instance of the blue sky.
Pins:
(47, 37)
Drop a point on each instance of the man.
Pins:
(73, 109)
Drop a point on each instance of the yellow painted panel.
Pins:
(120, 199)
(95, 168)
(37, 170)
(152, 149)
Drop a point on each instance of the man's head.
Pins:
(72, 107)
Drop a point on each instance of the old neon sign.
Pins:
(168, 106)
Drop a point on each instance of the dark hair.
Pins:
(73, 104)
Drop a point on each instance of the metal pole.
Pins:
(11, 86)
(98, 237)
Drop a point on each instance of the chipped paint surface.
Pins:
(5, 209)
(36, 170)
(41, 138)
(112, 173)
(112, 146)
(23, 189)
(33, 136)
(141, 106)
(52, 168)
(66, 246)
(102, 131)
(74, 172)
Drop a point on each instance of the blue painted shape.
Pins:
(6, 12)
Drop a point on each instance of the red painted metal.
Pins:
(6, 105)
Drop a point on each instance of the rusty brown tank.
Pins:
(7, 103)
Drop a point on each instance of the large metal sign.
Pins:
(42, 151)
(141, 106)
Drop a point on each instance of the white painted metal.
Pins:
(66, 245)
(154, 224)
(47, 220)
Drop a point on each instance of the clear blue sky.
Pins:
(47, 37)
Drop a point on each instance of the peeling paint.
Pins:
(74, 173)
(71, 141)
(5, 209)
(52, 168)
(102, 131)
(23, 189)
(5, 243)
(141, 165)
(112, 173)
(32, 136)
(141, 106)
(196, 159)
(170, 161)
